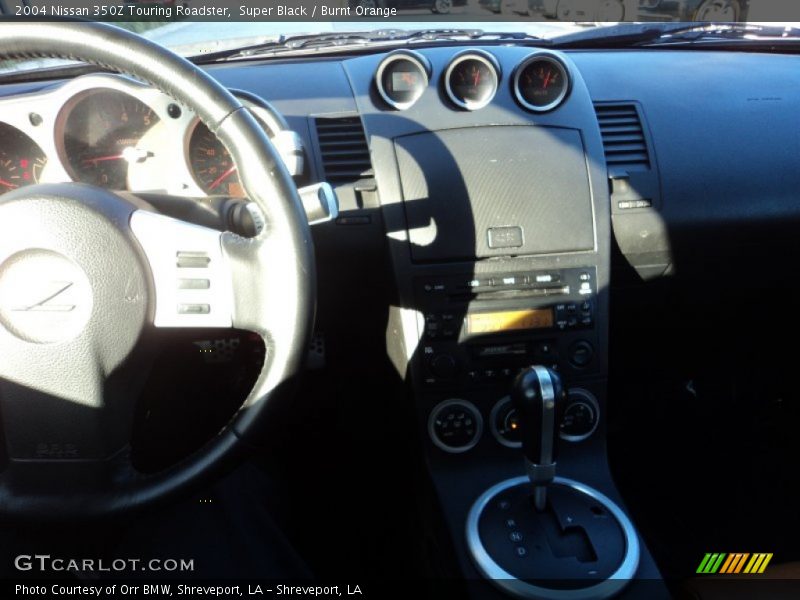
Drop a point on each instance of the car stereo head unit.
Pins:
(463, 307)
(489, 327)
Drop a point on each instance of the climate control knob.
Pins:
(455, 425)
(581, 416)
(505, 425)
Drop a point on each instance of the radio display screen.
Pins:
(510, 320)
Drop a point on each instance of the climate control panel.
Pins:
(456, 426)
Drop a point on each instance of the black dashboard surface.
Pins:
(724, 126)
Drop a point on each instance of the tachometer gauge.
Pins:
(471, 80)
(401, 79)
(541, 83)
(212, 164)
(21, 159)
(102, 135)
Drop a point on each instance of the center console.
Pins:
(498, 225)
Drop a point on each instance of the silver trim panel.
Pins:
(521, 589)
(548, 413)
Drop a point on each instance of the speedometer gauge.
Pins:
(102, 135)
(21, 159)
(541, 83)
(471, 80)
(212, 164)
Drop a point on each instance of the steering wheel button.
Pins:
(193, 284)
(194, 309)
(193, 260)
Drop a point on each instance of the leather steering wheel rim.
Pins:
(267, 184)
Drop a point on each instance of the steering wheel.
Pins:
(87, 275)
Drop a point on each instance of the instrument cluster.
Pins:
(117, 133)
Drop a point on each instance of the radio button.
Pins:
(474, 376)
(544, 352)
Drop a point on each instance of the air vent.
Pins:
(344, 150)
(623, 137)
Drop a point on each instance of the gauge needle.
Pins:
(476, 78)
(103, 159)
(218, 181)
(130, 154)
(8, 184)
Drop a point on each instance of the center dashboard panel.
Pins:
(492, 183)
(493, 189)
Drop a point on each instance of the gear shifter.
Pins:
(573, 533)
(538, 396)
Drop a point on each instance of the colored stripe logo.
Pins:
(734, 563)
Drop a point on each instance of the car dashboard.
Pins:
(499, 190)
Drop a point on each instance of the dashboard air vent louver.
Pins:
(344, 150)
(623, 137)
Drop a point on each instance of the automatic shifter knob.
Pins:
(538, 395)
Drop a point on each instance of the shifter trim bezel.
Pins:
(521, 589)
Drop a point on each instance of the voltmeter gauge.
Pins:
(541, 83)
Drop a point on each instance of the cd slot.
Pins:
(515, 293)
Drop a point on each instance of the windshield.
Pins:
(195, 38)
(200, 38)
